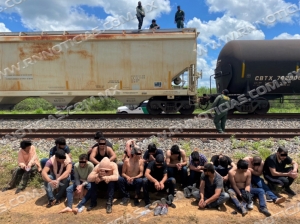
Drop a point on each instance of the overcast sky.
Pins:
(216, 20)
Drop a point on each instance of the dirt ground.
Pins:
(29, 206)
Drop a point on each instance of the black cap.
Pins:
(225, 91)
(160, 158)
(153, 20)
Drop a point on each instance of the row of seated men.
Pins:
(98, 170)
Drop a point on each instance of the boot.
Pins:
(108, 207)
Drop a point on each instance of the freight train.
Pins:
(67, 67)
(262, 70)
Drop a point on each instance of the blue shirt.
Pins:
(54, 149)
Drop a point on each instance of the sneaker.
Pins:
(280, 200)
(108, 209)
(250, 205)
(125, 201)
(147, 203)
(81, 209)
(6, 188)
(187, 192)
(50, 203)
(136, 202)
(172, 205)
(289, 191)
(268, 199)
(91, 208)
(164, 210)
(244, 211)
(265, 211)
(18, 190)
(158, 209)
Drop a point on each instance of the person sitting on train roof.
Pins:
(275, 171)
(104, 175)
(101, 151)
(196, 165)
(28, 165)
(151, 154)
(240, 180)
(59, 166)
(154, 25)
(82, 169)
(156, 178)
(211, 194)
(220, 117)
(132, 173)
(256, 168)
(176, 161)
(60, 143)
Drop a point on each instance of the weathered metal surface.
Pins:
(264, 61)
(84, 64)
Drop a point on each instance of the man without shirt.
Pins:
(132, 173)
(211, 189)
(240, 180)
(256, 167)
(176, 161)
(275, 171)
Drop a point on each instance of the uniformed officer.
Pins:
(179, 17)
(140, 14)
(154, 25)
(221, 117)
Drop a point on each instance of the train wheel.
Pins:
(153, 109)
(263, 107)
(187, 109)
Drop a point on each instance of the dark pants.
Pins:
(70, 191)
(173, 171)
(21, 177)
(260, 183)
(260, 193)
(63, 185)
(140, 19)
(285, 182)
(194, 178)
(179, 24)
(148, 185)
(137, 183)
(110, 187)
(222, 117)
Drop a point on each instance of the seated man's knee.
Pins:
(172, 180)
(145, 181)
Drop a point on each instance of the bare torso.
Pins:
(240, 179)
(132, 167)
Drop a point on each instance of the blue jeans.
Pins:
(260, 193)
(137, 183)
(259, 182)
(63, 185)
(169, 184)
(221, 200)
(110, 190)
(172, 172)
(70, 191)
(194, 178)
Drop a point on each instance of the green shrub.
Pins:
(33, 104)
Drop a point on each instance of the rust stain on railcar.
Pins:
(82, 53)
(35, 51)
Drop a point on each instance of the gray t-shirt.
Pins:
(209, 190)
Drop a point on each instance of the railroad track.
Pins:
(140, 116)
(245, 133)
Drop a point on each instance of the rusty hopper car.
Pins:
(67, 67)
(263, 70)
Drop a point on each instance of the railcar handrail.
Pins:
(63, 33)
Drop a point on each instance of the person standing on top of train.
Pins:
(179, 17)
(140, 14)
(221, 117)
(154, 25)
